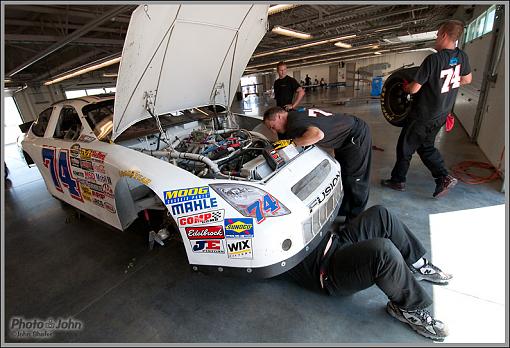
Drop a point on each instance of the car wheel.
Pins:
(395, 103)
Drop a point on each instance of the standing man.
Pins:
(376, 248)
(287, 91)
(348, 135)
(438, 80)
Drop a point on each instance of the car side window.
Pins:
(68, 125)
(39, 126)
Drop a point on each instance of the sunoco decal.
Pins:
(326, 192)
(202, 218)
(205, 232)
(207, 246)
(239, 228)
(239, 248)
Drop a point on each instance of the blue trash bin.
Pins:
(376, 86)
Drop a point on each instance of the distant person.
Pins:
(315, 83)
(308, 80)
(438, 80)
(287, 91)
(322, 83)
(376, 248)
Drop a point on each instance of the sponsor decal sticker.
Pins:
(107, 189)
(189, 207)
(207, 246)
(75, 150)
(239, 248)
(202, 218)
(85, 154)
(239, 228)
(98, 156)
(98, 167)
(75, 162)
(86, 138)
(87, 165)
(98, 202)
(187, 194)
(103, 178)
(109, 207)
(98, 194)
(205, 232)
(95, 186)
(86, 192)
(90, 176)
(78, 173)
(135, 174)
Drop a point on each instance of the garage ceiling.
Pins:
(44, 41)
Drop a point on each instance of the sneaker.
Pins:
(420, 320)
(431, 273)
(443, 185)
(399, 186)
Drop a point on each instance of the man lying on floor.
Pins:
(377, 248)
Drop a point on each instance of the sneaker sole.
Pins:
(439, 281)
(448, 188)
(421, 333)
(393, 187)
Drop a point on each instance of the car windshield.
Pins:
(100, 118)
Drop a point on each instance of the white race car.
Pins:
(165, 154)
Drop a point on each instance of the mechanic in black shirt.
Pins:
(437, 81)
(376, 248)
(346, 134)
(287, 91)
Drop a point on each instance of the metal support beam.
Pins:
(76, 34)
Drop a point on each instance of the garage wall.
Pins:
(318, 72)
(491, 137)
(395, 60)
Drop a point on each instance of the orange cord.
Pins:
(461, 171)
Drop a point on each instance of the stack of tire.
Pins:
(395, 103)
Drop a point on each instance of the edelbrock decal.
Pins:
(205, 232)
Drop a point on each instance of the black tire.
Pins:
(395, 103)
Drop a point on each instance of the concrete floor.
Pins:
(60, 265)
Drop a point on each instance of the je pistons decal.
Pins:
(207, 246)
(239, 248)
(239, 228)
(203, 218)
(189, 200)
(205, 232)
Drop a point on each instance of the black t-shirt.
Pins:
(439, 75)
(336, 127)
(284, 90)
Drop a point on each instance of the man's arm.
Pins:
(311, 136)
(413, 87)
(466, 80)
(298, 96)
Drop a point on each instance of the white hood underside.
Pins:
(181, 54)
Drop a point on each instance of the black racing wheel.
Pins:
(395, 103)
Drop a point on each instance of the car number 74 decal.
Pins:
(59, 170)
(261, 207)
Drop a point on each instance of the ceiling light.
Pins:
(342, 44)
(377, 53)
(97, 65)
(110, 75)
(290, 32)
(7, 80)
(263, 54)
(279, 8)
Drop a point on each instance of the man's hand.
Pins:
(280, 144)
(288, 107)
(405, 86)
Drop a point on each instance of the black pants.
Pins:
(419, 136)
(355, 158)
(376, 248)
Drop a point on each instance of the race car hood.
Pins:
(177, 57)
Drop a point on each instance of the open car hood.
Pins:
(177, 57)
